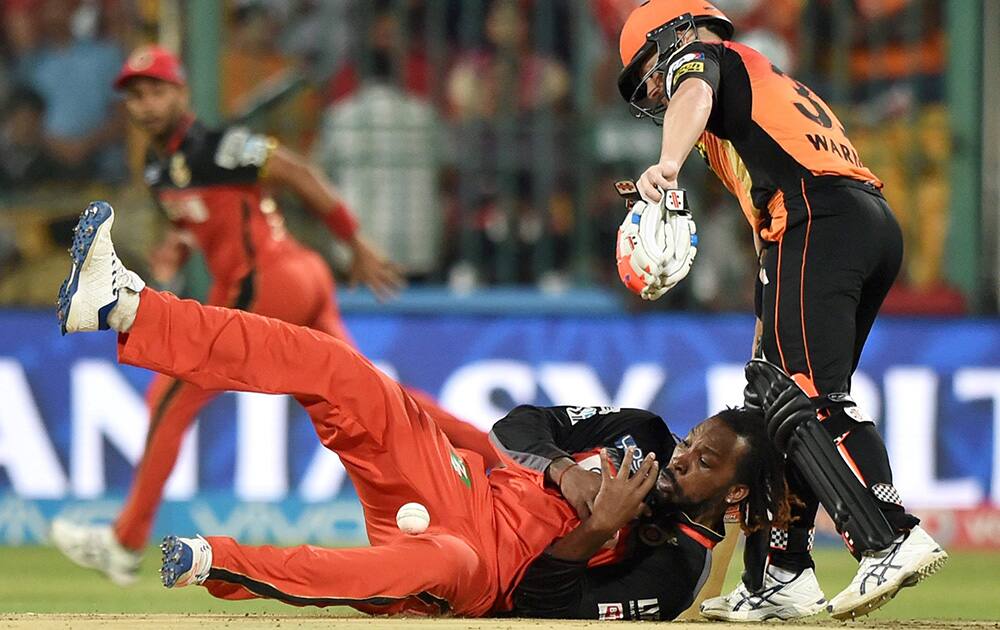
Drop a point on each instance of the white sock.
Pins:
(122, 316)
(782, 575)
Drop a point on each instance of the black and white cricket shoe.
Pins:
(797, 598)
(90, 291)
(882, 574)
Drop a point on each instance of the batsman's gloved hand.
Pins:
(657, 244)
(783, 402)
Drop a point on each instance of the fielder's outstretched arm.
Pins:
(291, 171)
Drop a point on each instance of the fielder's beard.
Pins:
(667, 497)
(666, 494)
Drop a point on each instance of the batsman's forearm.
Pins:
(685, 121)
(580, 544)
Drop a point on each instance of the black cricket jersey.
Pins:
(665, 559)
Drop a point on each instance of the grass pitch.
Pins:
(41, 589)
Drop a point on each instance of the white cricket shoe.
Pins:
(797, 598)
(90, 292)
(881, 574)
(185, 561)
(95, 547)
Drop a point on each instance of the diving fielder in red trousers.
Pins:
(497, 541)
(211, 184)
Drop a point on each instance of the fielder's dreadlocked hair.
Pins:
(762, 470)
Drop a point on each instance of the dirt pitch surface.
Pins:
(253, 622)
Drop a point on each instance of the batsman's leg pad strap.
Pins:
(851, 506)
(793, 539)
(839, 421)
(886, 493)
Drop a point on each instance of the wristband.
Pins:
(341, 221)
(562, 474)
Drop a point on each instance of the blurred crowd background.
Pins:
(479, 140)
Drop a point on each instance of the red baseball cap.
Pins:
(151, 62)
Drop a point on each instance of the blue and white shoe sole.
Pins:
(91, 219)
(177, 560)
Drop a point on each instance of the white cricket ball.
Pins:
(412, 519)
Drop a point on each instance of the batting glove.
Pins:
(657, 243)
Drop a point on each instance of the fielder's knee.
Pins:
(461, 561)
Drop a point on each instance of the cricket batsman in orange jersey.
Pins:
(500, 538)
(212, 186)
(829, 248)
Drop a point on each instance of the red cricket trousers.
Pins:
(297, 288)
(394, 453)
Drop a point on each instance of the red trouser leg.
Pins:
(294, 289)
(173, 406)
(391, 448)
(460, 433)
(300, 289)
(413, 574)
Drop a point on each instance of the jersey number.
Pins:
(815, 111)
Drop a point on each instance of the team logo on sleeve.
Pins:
(691, 62)
(691, 66)
(239, 147)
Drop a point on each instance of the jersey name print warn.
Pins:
(825, 143)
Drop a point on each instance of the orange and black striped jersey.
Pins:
(768, 135)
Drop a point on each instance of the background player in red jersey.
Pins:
(829, 248)
(486, 528)
(212, 186)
